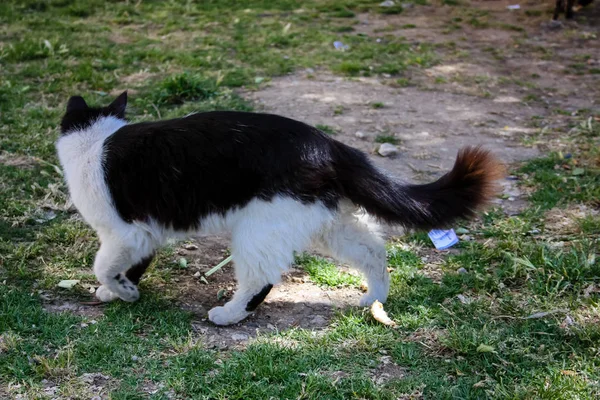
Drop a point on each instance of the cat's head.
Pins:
(80, 116)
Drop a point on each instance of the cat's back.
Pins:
(220, 125)
(212, 162)
(219, 137)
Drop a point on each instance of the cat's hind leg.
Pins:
(352, 241)
(263, 245)
(119, 269)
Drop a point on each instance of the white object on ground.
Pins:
(443, 239)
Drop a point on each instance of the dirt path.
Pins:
(430, 126)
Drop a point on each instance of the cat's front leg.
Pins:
(119, 270)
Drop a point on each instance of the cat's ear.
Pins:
(76, 103)
(118, 106)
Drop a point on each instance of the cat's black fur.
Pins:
(178, 171)
(566, 6)
(80, 116)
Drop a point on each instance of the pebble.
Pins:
(387, 149)
(197, 274)
(360, 135)
(464, 299)
(318, 320)
(387, 3)
(240, 336)
(191, 247)
(408, 5)
(134, 358)
(462, 271)
(554, 24)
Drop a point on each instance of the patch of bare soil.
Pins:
(94, 386)
(565, 221)
(295, 302)
(431, 339)
(386, 371)
(431, 126)
(83, 310)
(14, 160)
(503, 52)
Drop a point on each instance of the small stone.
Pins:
(407, 5)
(318, 320)
(197, 274)
(464, 299)
(466, 238)
(271, 327)
(568, 321)
(462, 271)
(296, 279)
(240, 336)
(387, 3)
(554, 24)
(84, 325)
(360, 135)
(506, 99)
(461, 231)
(387, 149)
(134, 358)
(191, 247)
(310, 71)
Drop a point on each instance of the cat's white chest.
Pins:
(81, 156)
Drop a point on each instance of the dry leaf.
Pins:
(68, 283)
(484, 348)
(380, 315)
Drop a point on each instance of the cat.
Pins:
(568, 6)
(278, 185)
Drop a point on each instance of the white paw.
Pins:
(128, 292)
(105, 295)
(226, 315)
(369, 298)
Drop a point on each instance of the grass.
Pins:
(323, 272)
(523, 322)
(327, 129)
(386, 138)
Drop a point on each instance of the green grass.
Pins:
(325, 273)
(178, 57)
(327, 129)
(560, 181)
(386, 138)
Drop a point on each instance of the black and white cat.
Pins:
(276, 184)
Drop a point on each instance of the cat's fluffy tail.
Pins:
(458, 194)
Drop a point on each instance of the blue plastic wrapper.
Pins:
(442, 239)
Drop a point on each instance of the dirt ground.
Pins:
(486, 89)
